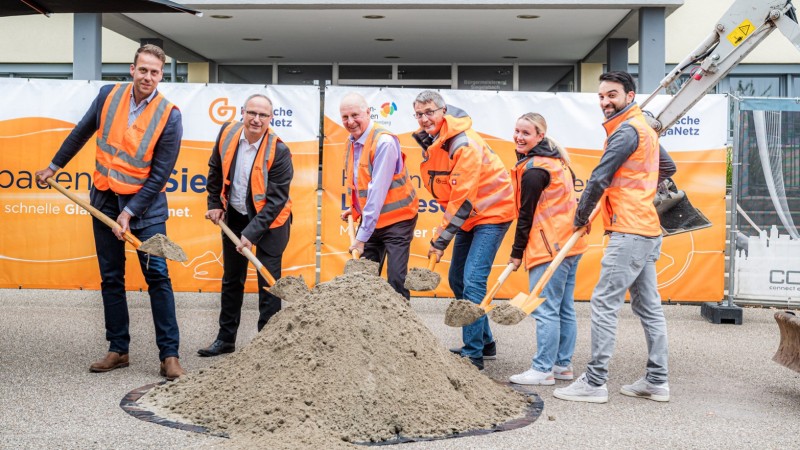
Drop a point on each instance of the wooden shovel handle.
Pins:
(537, 290)
(95, 212)
(248, 254)
(352, 233)
(500, 280)
(431, 262)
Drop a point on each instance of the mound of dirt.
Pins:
(350, 362)
(361, 265)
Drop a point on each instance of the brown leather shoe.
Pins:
(171, 368)
(112, 360)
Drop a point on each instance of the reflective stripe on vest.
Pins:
(401, 199)
(259, 175)
(124, 154)
(551, 226)
(628, 207)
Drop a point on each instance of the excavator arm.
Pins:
(743, 26)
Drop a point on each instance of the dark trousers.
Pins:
(111, 258)
(269, 251)
(393, 244)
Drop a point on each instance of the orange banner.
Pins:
(691, 266)
(47, 240)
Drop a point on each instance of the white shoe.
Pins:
(642, 388)
(533, 377)
(581, 391)
(563, 373)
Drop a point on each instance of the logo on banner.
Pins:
(220, 112)
(388, 108)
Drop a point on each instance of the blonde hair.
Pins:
(541, 126)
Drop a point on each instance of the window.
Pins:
(307, 75)
(242, 74)
(490, 78)
(547, 78)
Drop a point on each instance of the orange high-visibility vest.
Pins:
(401, 199)
(491, 189)
(551, 227)
(124, 154)
(259, 176)
(628, 207)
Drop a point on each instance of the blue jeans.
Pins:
(629, 264)
(556, 326)
(473, 255)
(111, 257)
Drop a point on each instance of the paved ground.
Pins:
(726, 392)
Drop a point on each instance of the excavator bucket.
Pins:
(676, 211)
(788, 354)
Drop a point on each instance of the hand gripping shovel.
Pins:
(158, 245)
(287, 288)
(518, 308)
(461, 313)
(420, 279)
(355, 264)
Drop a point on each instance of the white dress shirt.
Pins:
(245, 156)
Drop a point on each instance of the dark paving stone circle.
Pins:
(130, 405)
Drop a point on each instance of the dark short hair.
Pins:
(153, 50)
(623, 78)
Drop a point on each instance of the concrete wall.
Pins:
(41, 39)
(692, 22)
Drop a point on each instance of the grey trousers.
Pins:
(629, 264)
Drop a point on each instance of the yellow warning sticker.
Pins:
(742, 31)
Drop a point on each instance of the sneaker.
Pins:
(563, 373)
(645, 389)
(533, 377)
(489, 350)
(477, 362)
(581, 391)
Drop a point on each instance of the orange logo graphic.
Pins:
(220, 112)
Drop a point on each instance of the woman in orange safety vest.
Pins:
(545, 197)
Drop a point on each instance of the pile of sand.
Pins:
(351, 362)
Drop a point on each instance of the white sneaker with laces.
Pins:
(581, 391)
(564, 373)
(533, 377)
(642, 388)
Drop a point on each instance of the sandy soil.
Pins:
(351, 362)
(422, 279)
(461, 313)
(506, 314)
(160, 245)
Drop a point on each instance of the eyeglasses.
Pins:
(429, 113)
(253, 115)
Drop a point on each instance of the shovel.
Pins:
(287, 288)
(248, 254)
(158, 245)
(356, 264)
(461, 313)
(419, 279)
(519, 307)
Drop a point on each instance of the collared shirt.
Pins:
(245, 156)
(388, 162)
(133, 113)
(136, 110)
